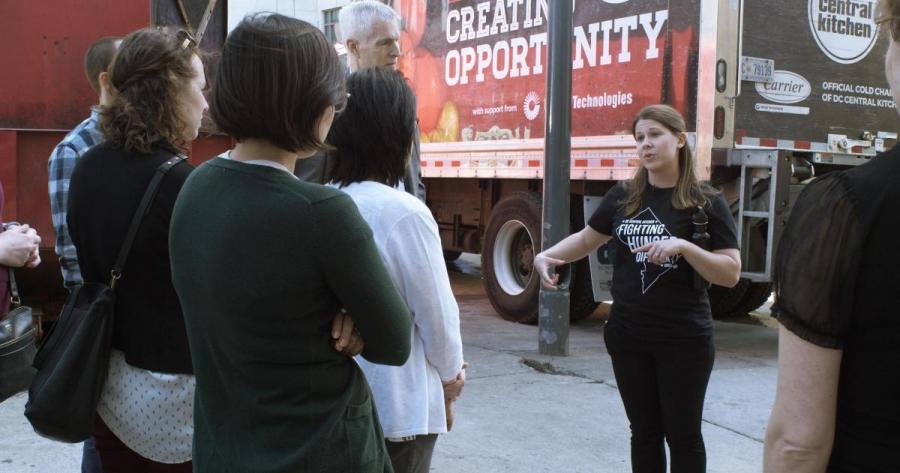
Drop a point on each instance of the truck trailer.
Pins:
(774, 93)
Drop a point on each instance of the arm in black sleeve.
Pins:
(722, 228)
(602, 219)
(817, 262)
(355, 272)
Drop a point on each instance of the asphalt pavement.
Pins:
(522, 412)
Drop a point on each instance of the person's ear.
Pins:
(682, 140)
(352, 47)
(103, 80)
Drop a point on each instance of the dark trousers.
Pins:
(413, 456)
(663, 385)
(116, 457)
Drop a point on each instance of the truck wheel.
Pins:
(723, 300)
(581, 302)
(451, 256)
(510, 242)
(757, 294)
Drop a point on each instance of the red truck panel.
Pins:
(44, 45)
(44, 93)
(476, 66)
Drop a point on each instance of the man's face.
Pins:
(381, 49)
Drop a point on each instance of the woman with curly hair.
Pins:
(145, 413)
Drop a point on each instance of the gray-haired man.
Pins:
(371, 34)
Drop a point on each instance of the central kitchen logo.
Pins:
(845, 30)
(786, 87)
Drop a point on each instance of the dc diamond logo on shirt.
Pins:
(638, 231)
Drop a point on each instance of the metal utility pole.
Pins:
(553, 309)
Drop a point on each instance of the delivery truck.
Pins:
(774, 93)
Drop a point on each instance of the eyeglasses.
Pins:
(894, 24)
(341, 105)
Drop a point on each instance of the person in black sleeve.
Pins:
(156, 81)
(837, 402)
(659, 334)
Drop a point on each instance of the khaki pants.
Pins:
(412, 456)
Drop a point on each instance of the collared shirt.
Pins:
(60, 167)
(410, 398)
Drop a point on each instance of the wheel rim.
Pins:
(513, 257)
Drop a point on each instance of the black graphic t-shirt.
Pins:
(652, 301)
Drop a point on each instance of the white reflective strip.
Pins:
(785, 144)
(748, 142)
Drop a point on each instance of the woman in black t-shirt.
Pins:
(659, 334)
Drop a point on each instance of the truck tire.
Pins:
(723, 300)
(581, 302)
(757, 294)
(511, 238)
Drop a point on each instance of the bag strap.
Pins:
(142, 211)
(14, 289)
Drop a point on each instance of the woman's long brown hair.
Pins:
(146, 77)
(689, 191)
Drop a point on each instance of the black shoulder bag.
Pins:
(73, 360)
(16, 345)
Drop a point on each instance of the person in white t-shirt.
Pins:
(372, 138)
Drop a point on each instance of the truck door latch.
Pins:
(842, 144)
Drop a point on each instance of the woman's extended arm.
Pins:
(801, 427)
(572, 248)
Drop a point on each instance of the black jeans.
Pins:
(663, 385)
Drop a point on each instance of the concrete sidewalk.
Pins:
(526, 413)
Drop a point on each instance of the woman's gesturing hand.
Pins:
(544, 264)
(661, 250)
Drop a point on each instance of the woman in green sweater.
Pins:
(262, 261)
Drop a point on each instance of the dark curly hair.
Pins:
(149, 70)
(372, 137)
